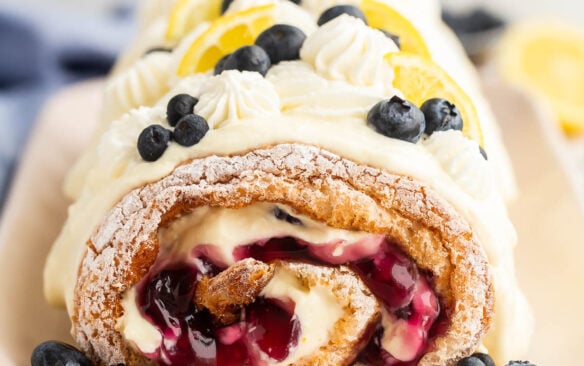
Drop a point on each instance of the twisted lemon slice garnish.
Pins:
(420, 79)
(185, 15)
(548, 59)
(225, 35)
(382, 16)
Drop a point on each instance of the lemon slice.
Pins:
(548, 59)
(382, 16)
(225, 35)
(185, 15)
(420, 79)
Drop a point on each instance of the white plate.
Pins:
(546, 215)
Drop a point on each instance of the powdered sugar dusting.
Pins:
(317, 183)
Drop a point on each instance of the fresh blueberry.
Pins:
(53, 353)
(520, 363)
(441, 115)
(220, 65)
(487, 360)
(179, 106)
(190, 130)
(483, 153)
(281, 42)
(335, 11)
(153, 141)
(393, 37)
(248, 58)
(225, 5)
(157, 49)
(397, 118)
(470, 361)
(285, 216)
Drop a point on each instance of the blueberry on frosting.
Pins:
(220, 65)
(281, 42)
(225, 5)
(483, 153)
(335, 11)
(52, 353)
(190, 130)
(153, 141)
(470, 361)
(179, 106)
(248, 58)
(441, 115)
(397, 118)
(393, 37)
(519, 363)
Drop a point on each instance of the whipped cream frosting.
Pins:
(457, 156)
(346, 49)
(143, 84)
(335, 124)
(235, 95)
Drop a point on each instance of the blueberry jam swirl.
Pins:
(268, 330)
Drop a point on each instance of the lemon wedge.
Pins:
(185, 15)
(547, 59)
(420, 79)
(382, 16)
(225, 35)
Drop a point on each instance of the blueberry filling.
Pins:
(285, 216)
(191, 337)
(267, 327)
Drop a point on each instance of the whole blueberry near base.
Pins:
(470, 361)
(397, 118)
(53, 353)
(153, 141)
(220, 65)
(282, 42)
(248, 58)
(441, 115)
(338, 10)
(190, 130)
(179, 106)
(487, 360)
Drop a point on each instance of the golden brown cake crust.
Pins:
(317, 183)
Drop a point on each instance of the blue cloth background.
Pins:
(42, 48)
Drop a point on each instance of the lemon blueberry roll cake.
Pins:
(290, 183)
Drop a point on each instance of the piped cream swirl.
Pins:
(461, 159)
(141, 85)
(346, 49)
(235, 95)
(304, 93)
